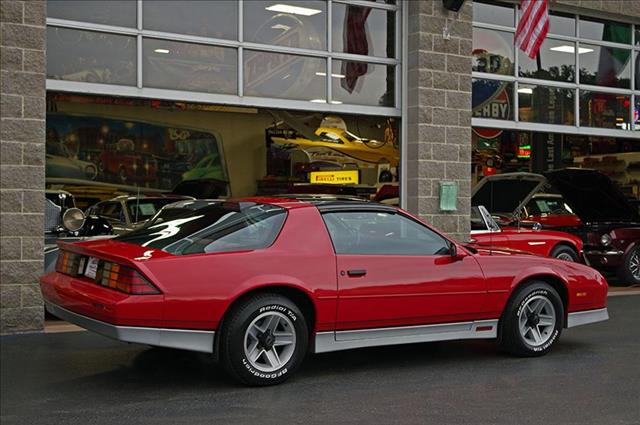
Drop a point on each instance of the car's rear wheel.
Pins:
(532, 321)
(566, 253)
(630, 270)
(264, 340)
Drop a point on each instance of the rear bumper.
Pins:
(588, 316)
(193, 340)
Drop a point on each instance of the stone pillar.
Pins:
(22, 167)
(439, 112)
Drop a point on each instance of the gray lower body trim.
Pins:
(585, 317)
(345, 340)
(193, 340)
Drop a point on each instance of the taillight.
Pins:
(124, 279)
(68, 263)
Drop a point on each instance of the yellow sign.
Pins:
(335, 177)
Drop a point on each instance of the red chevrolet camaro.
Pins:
(259, 282)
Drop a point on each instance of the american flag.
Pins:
(533, 26)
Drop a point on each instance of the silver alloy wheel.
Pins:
(634, 264)
(537, 321)
(270, 341)
(565, 256)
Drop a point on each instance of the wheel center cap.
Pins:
(267, 339)
(533, 319)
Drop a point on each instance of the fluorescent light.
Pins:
(565, 48)
(161, 50)
(525, 90)
(324, 74)
(294, 10)
(335, 102)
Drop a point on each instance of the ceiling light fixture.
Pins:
(294, 10)
(335, 102)
(525, 90)
(324, 74)
(161, 51)
(565, 48)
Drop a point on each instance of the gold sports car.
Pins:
(339, 140)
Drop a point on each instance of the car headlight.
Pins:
(605, 239)
(90, 171)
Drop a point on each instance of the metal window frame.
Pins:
(577, 86)
(139, 90)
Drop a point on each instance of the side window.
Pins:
(112, 211)
(382, 233)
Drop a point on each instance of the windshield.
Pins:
(539, 206)
(143, 209)
(193, 227)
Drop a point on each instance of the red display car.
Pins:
(512, 197)
(486, 232)
(259, 282)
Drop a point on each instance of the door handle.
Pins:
(356, 273)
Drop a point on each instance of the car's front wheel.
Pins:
(532, 321)
(630, 269)
(264, 340)
(566, 253)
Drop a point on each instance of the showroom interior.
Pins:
(356, 98)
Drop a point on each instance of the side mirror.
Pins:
(73, 219)
(453, 252)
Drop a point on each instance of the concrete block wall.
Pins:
(439, 112)
(22, 163)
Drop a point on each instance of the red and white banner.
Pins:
(533, 26)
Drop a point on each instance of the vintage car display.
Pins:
(208, 167)
(128, 212)
(610, 226)
(346, 143)
(259, 282)
(513, 197)
(64, 221)
(486, 232)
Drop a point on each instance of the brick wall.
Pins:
(22, 156)
(439, 113)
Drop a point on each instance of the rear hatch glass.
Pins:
(194, 227)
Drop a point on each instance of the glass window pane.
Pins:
(601, 30)
(637, 70)
(493, 14)
(284, 76)
(604, 110)
(363, 83)
(549, 105)
(604, 66)
(217, 19)
(636, 113)
(189, 66)
(291, 23)
(89, 56)
(375, 233)
(562, 24)
(492, 99)
(363, 30)
(121, 13)
(492, 51)
(556, 61)
(637, 36)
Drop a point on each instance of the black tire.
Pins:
(233, 355)
(628, 271)
(566, 253)
(512, 339)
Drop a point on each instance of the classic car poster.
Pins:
(129, 153)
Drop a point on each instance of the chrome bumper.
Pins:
(585, 317)
(193, 340)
